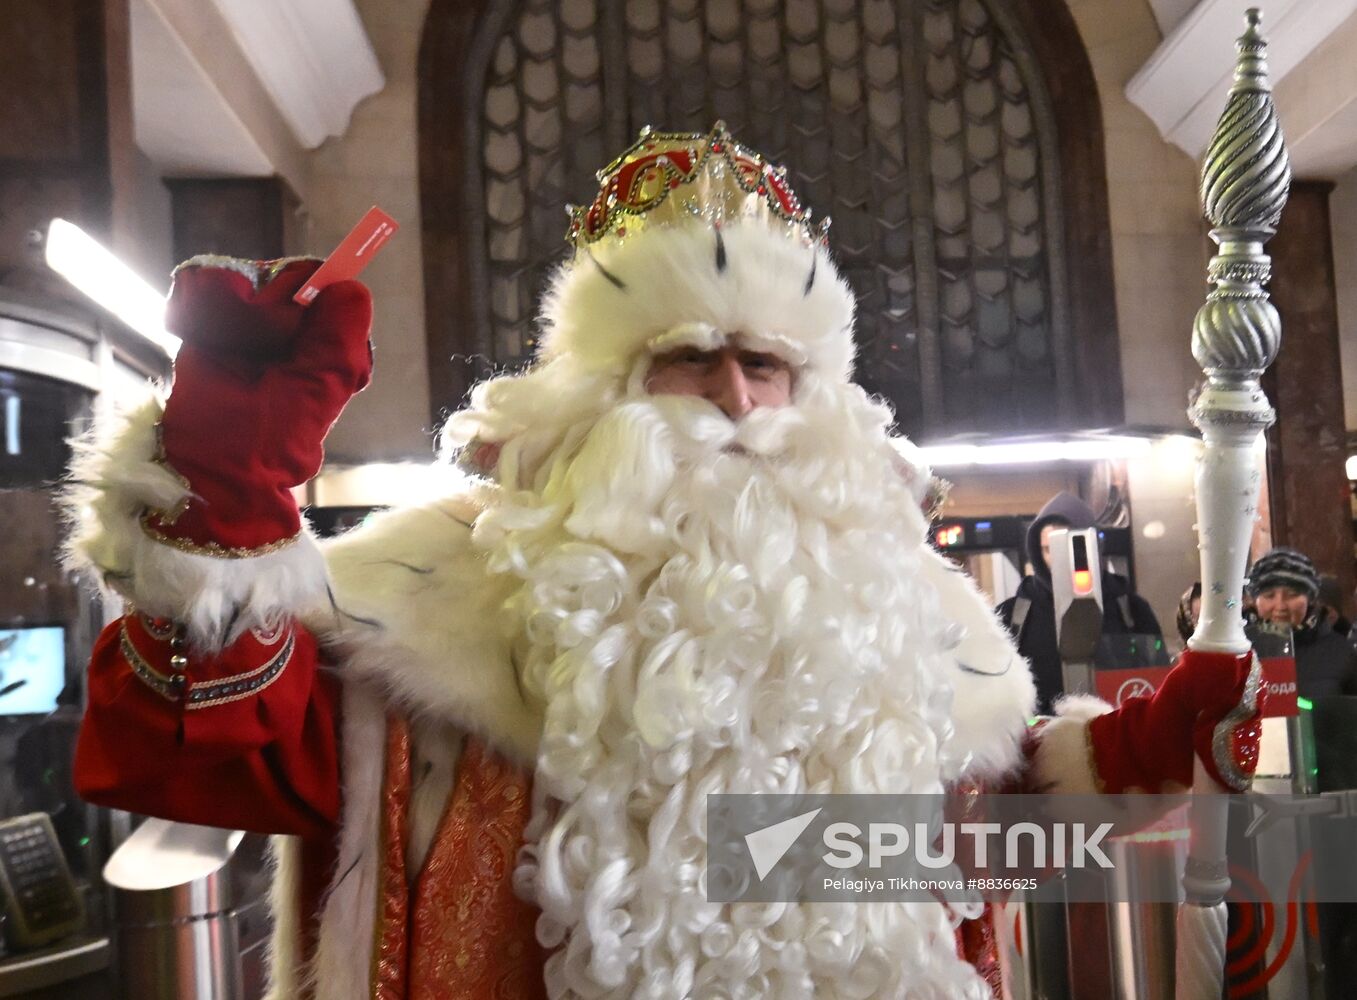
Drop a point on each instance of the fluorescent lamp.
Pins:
(1352, 467)
(1031, 452)
(93, 269)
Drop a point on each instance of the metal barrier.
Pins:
(177, 901)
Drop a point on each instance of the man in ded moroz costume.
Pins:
(688, 558)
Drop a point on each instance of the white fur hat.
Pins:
(694, 239)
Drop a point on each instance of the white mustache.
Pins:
(702, 429)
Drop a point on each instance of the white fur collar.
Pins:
(416, 612)
(994, 693)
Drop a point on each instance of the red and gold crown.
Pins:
(672, 178)
(695, 235)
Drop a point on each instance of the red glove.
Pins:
(1210, 704)
(258, 383)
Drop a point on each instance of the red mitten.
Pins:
(244, 737)
(258, 383)
(1210, 704)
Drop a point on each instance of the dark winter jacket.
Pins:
(1037, 640)
(1326, 662)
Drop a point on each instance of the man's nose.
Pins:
(729, 389)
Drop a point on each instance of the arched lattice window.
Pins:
(926, 128)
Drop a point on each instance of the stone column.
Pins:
(1307, 482)
(251, 217)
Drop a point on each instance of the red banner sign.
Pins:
(1279, 676)
(1117, 686)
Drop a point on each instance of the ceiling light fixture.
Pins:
(1035, 451)
(96, 271)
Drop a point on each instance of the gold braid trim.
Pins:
(205, 694)
(147, 674)
(212, 549)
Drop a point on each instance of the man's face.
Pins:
(1282, 605)
(735, 379)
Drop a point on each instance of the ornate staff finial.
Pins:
(1251, 71)
(1235, 336)
(1244, 183)
(1236, 333)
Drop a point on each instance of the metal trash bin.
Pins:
(175, 900)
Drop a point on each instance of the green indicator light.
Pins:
(84, 841)
(1305, 704)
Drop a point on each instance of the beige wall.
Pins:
(375, 163)
(1160, 250)
(1016, 490)
(1159, 247)
(146, 243)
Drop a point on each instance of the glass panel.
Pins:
(47, 622)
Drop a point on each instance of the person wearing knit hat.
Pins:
(688, 558)
(1286, 576)
(1285, 587)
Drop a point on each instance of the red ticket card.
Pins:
(352, 255)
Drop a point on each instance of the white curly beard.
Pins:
(710, 607)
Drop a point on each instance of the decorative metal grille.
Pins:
(921, 126)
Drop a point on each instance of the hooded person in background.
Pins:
(1285, 587)
(1030, 614)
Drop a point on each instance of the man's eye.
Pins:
(762, 364)
(689, 356)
